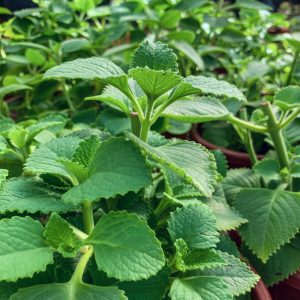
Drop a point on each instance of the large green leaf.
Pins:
(30, 195)
(197, 110)
(117, 167)
(199, 288)
(125, 247)
(23, 250)
(288, 97)
(69, 291)
(91, 68)
(155, 56)
(236, 274)
(60, 236)
(148, 289)
(154, 82)
(273, 217)
(187, 159)
(195, 224)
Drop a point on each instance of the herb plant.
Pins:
(128, 216)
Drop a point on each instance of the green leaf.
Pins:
(236, 180)
(60, 236)
(187, 159)
(170, 19)
(288, 98)
(235, 274)
(18, 137)
(196, 258)
(30, 195)
(23, 250)
(268, 168)
(195, 224)
(69, 291)
(148, 289)
(227, 217)
(190, 53)
(206, 86)
(117, 167)
(35, 57)
(125, 247)
(73, 45)
(3, 176)
(12, 88)
(199, 288)
(273, 217)
(91, 68)
(154, 82)
(197, 110)
(221, 161)
(252, 4)
(155, 56)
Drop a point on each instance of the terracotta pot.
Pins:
(288, 289)
(235, 159)
(260, 291)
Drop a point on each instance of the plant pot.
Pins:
(235, 159)
(288, 289)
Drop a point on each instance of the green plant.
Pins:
(130, 216)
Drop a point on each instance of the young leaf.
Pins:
(60, 236)
(154, 83)
(235, 274)
(189, 160)
(91, 68)
(273, 217)
(199, 288)
(197, 110)
(155, 56)
(268, 168)
(69, 291)
(30, 195)
(148, 289)
(23, 250)
(195, 224)
(125, 247)
(288, 98)
(117, 167)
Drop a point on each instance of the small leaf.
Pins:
(273, 219)
(23, 250)
(170, 19)
(288, 97)
(125, 247)
(189, 160)
(30, 195)
(60, 236)
(155, 56)
(197, 110)
(268, 168)
(195, 224)
(12, 88)
(69, 291)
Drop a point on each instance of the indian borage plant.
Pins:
(99, 216)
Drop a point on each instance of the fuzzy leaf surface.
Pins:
(288, 97)
(23, 250)
(125, 247)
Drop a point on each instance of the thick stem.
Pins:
(80, 268)
(135, 123)
(88, 217)
(67, 95)
(248, 140)
(244, 124)
(276, 136)
(293, 66)
(146, 124)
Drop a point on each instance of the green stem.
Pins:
(135, 124)
(67, 95)
(290, 118)
(276, 136)
(146, 124)
(80, 268)
(79, 234)
(135, 104)
(244, 124)
(248, 140)
(88, 217)
(294, 63)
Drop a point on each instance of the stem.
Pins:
(80, 268)
(135, 104)
(88, 217)
(239, 122)
(276, 135)
(248, 140)
(135, 124)
(146, 124)
(67, 95)
(294, 63)
(290, 118)
(80, 234)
